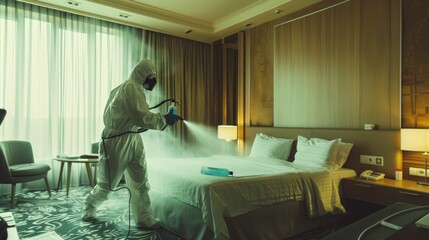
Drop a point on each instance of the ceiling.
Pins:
(200, 20)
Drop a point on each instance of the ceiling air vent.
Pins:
(73, 3)
(123, 15)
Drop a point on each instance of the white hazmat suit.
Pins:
(126, 110)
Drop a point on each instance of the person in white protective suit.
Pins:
(127, 110)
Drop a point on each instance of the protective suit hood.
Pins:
(142, 70)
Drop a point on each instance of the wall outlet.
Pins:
(372, 160)
(417, 171)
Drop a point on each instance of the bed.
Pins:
(268, 197)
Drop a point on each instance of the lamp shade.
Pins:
(227, 132)
(413, 139)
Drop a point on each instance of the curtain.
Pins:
(57, 70)
(184, 74)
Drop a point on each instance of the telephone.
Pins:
(370, 175)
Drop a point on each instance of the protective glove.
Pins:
(171, 119)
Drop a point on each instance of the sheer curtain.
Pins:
(56, 71)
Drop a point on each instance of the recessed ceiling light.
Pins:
(123, 15)
(73, 3)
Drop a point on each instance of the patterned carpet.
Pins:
(35, 213)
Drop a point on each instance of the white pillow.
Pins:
(268, 146)
(315, 152)
(343, 153)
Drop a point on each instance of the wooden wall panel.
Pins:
(260, 60)
(380, 98)
(333, 68)
(370, 47)
(261, 72)
(415, 64)
(314, 57)
(415, 75)
(395, 54)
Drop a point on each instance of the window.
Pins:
(56, 73)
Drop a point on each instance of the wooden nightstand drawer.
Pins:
(364, 192)
(402, 195)
(386, 191)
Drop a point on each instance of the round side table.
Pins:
(69, 162)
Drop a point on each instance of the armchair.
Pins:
(17, 165)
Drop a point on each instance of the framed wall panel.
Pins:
(333, 68)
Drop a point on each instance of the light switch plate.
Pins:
(373, 160)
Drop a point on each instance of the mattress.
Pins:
(256, 182)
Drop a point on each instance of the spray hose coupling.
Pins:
(172, 100)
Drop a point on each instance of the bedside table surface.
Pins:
(387, 182)
(385, 191)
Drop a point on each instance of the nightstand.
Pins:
(385, 192)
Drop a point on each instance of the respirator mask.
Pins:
(149, 83)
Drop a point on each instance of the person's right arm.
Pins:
(138, 108)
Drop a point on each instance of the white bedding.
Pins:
(256, 182)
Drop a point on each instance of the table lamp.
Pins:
(227, 132)
(416, 139)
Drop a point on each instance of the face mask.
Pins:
(149, 83)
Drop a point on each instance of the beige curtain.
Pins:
(185, 74)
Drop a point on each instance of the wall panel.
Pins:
(333, 68)
(415, 64)
(261, 72)
(344, 62)
(415, 75)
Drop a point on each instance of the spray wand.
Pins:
(172, 109)
(172, 114)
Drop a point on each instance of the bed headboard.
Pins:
(385, 143)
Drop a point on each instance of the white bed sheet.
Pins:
(256, 182)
